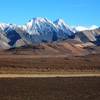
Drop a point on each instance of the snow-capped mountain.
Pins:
(63, 29)
(36, 30)
(61, 25)
(37, 25)
(9, 36)
(40, 30)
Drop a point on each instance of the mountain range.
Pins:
(41, 30)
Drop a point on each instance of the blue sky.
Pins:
(74, 12)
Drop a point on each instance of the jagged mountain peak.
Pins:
(60, 22)
(61, 25)
(39, 20)
(38, 25)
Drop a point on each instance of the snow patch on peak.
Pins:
(93, 27)
(83, 28)
(80, 28)
(39, 20)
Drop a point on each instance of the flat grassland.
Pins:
(29, 64)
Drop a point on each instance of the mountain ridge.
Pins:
(41, 30)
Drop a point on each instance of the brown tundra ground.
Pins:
(31, 64)
(55, 57)
(79, 88)
(49, 88)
